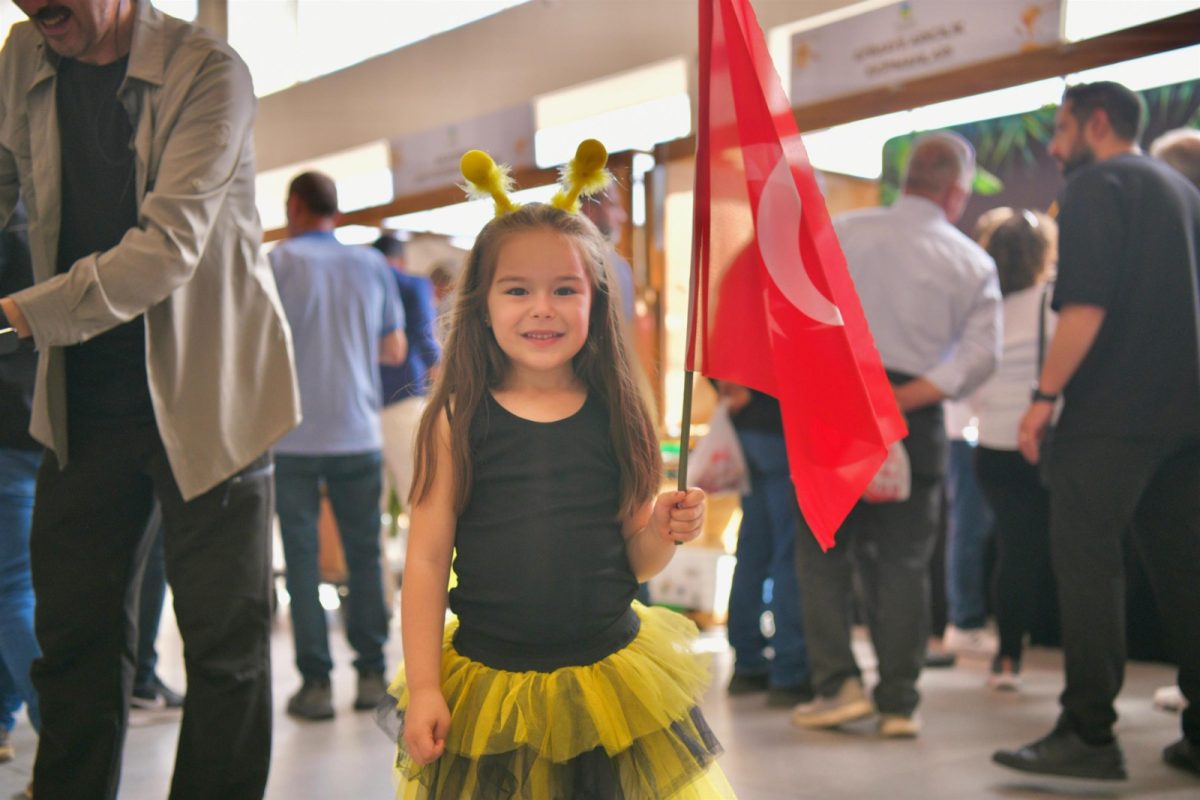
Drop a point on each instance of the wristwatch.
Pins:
(1040, 396)
(9, 340)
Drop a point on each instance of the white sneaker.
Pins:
(1170, 699)
(969, 641)
(1005, 675)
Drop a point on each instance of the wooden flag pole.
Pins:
(685, 429)
(699, 241)
(699, 235)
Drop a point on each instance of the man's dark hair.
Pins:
(390, 246)
(316, 191)
(1125, 108)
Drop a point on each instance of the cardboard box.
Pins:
(697, 579)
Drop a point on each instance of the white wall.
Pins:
(498, 62)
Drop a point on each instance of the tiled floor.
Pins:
(765, 759)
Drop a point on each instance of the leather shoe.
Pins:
(1064, 754)
(1184, 754)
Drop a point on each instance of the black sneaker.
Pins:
(1184, 754)
(747, 684)
(1065, 754)
(372, 688)
(313, 702)
(156, 696)
(6, 749)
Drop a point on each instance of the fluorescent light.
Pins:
(356, 234)
(1160, 69)
(1084, 19)
(989, 105)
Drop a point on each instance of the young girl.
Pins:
(537, 465)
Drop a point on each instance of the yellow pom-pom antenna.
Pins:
(585, 175)
(485, 178)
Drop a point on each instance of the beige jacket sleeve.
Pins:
(198, 165)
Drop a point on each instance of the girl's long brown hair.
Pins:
(473, 363)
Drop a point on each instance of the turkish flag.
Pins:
(774, 306)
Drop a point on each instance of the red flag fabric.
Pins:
(774, 307)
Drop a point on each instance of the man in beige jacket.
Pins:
(165, 372)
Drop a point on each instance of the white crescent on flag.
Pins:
(777, 226)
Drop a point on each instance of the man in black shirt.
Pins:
(1126, 452)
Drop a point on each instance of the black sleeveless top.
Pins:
(543, 578)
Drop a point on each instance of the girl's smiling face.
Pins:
(539, 302)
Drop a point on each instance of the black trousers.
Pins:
(1021, 506)
(887, 548)
(1099, 488)
(88, 546)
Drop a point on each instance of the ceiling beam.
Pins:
(1159, 36)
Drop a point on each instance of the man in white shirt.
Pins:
(932, 301)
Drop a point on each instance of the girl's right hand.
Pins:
(426, 724)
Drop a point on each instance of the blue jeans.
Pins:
(766, 552)
(10, 699)
(967, 533)
(18, 645)
(353, 483)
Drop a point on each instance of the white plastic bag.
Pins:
(717, 463)
(893, 482)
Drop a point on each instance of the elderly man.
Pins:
(1126, 451)
(165, 373)
(932, 300)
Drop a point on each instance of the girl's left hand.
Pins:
(679, 516)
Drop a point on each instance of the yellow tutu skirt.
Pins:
(624, 728)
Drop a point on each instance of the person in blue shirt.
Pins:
(608, 215)
(406, 385)
(346, 318)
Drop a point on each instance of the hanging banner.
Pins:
(913, 39)
(429, 159)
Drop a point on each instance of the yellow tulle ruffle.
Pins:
(626, 727)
